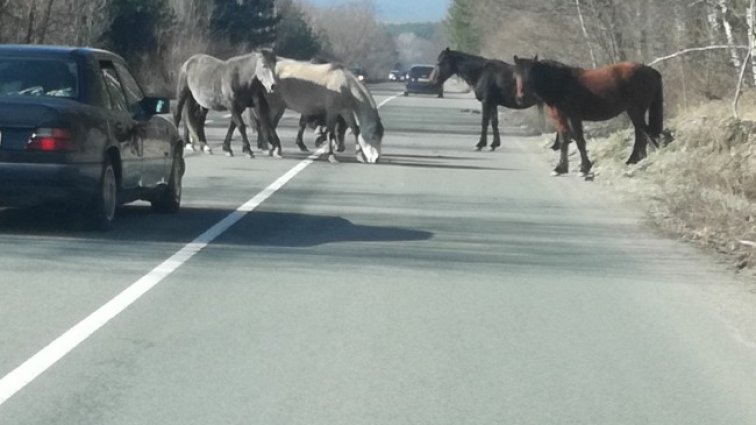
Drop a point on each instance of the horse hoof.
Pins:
(229, 154)
(188, 148)
(332, 159)
(493, 148)
(556, 173)
(589, 177)
(479, 148)
(360, 158)
(251, 155)
(207, 150)
(273, 153)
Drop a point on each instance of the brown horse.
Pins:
(573, 95)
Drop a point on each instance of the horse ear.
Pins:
(269, 56)
(516, 59)
(448, 49)
(535, 59)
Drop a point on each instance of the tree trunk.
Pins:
(42, 32)
(751, 38)
(31, 22)
(734, 57)
(585, 33)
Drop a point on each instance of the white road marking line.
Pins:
(387, 100)
(37, 364)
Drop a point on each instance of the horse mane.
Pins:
(550, 79)
(474, 64)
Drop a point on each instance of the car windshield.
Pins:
(38, 77)
(421, 71)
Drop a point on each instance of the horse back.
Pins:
(605, 92)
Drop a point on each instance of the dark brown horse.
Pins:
(494, 85)
(573, 95)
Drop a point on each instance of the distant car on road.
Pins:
(396, 75)
(77, 130)
(418, 81)
(358, 72)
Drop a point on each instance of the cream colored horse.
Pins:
(332, 91)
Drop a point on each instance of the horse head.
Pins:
(265, 69)
(446, 66)
(369, 139)
(523, 78)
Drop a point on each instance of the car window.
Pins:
(38, 77)
(113, 84)
(421, 72)
(134, 93)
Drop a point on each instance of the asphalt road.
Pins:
(441, 286)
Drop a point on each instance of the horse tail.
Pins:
(182, 93)
(656, 111)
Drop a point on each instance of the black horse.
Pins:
(494, 85)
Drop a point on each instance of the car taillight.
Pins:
(51, 140)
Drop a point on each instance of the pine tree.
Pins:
(135, 27)
(248, 23)
(463, 34)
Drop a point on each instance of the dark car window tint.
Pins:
(113, 84)
(38, 77)
(421, 72)
(134, 93)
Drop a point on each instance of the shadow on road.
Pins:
(303, 230)
(138, 223)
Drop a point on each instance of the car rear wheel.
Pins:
(102, 211)
(168, 200)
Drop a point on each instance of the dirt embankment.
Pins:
(700, 187)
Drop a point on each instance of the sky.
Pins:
(399, 11)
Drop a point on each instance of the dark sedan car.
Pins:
(418, 81)
(77, 130)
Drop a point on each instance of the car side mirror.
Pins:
(155, 105)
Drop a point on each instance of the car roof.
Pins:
(47, 50)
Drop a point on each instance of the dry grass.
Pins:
(702, 186)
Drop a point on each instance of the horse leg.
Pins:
(495, 127)
(344, 121)
(341, 129)
(484, 130)
(267, 127)
(300, 134)
(252, 119)
(227, 140)
(639, 147)
(331, 120)
(236, 116)
(555, 145)
(577, 132)
(202, 117)
(563, 131)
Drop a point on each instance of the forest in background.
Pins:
(590, 33)
(157, 36)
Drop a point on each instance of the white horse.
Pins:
(206, 83)
(331, 91)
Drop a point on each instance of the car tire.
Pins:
(102, 211)
(168, 200)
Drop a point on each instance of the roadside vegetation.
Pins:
(157, 36)
(702, 185)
